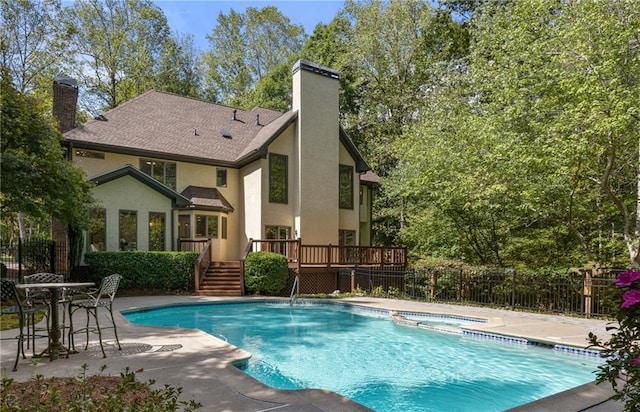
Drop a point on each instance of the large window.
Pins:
(278, 178)
(346, 187)
(128, 230)
(223, 229)
(207, 226)
(164, 172)
(221, 177)
(96, 236)
(157, 231)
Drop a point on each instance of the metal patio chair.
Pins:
(9, 295)
(91, 302)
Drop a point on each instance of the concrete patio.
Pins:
(202, 364)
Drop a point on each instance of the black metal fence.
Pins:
(32, 256)
(583, 291)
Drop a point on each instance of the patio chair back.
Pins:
(109, 287)
(9, 293)
(43, 278)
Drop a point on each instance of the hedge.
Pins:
(144, 270)
(265, 273)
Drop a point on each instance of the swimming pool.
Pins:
(361, 354)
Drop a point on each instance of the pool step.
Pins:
(221, 279)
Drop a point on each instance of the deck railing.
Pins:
(202, 263)
(192, 245)
(332, 255)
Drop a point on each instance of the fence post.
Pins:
(19, 260)
(587, 290)
(513, 289)
(460, 286)
(52, 256)
(433, 281)
(353, 280)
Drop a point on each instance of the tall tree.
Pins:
(533, 152)
(117, 44)
(31, 44)
(179, 69)
(244, 48)
(36, 179)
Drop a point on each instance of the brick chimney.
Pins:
(65, 99)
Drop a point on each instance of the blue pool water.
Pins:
(388, 367)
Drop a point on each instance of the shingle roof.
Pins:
(172, 126)
(207, 197)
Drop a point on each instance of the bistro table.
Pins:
(55, 347)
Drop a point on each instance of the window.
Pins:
(184, 226)
(224, 228)
(347, 237)
(212, 227)
(221, 177)
(346, 187)
(278, 178)
(207, 226)
(156, 231)
(163, 172)
(128, 228)
(89, 154)
(96, 236)
(278, 233)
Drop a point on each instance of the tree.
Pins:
(533, 150)
(244, 48)
(36, 179)
(31, 46)
(116, 44)
(179, 69)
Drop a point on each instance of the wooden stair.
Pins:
(221, 279)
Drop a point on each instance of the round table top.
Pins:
(55, 285)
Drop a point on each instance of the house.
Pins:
(169, 169)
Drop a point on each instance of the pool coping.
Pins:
(202, 365)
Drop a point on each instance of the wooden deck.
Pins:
(301, 256)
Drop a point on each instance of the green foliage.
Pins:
(36, 179)
(145, 270)
(117, 45)
(266, 273)
(622, 350)
(528, 151)
(244, 48)
(91, 394)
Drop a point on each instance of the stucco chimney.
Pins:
(65, 99)
(315, 98)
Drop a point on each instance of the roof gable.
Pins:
(129, 170)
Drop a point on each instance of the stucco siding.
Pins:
(316, 98)
(128, 193)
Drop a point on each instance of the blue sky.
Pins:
(198, 17)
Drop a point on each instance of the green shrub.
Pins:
(265, 273)
(144, 270)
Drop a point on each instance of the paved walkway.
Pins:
(202, 364)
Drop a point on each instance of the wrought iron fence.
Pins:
(31, 256)
(583, 291)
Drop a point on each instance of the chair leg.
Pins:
(115, 329)
(95, 315)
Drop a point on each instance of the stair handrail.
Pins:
(295, 290)
(202, 264)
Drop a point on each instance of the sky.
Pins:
(198, 17)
